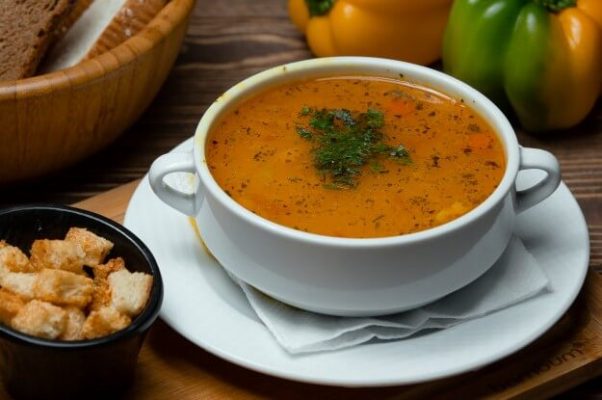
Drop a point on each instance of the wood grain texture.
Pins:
(567, 355)
(226, 42)
(55, 119)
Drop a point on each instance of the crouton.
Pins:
(75, 323)
(20, 283)
(40, 319)
(129, 291)
(51, 295)
(57, 254)
(102, 291)
(102, 271)
(103, 322)
(101, 297)
(63, 287)
(13, 259)
(10, 305)
(95, 247)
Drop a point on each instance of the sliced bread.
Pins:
(78, 9)
(104, 25)
(26, 31)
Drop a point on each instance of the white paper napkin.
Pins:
(514, 278)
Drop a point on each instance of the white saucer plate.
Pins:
(206, 307)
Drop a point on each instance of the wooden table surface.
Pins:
(228, 41)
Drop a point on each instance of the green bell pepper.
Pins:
(540, 58)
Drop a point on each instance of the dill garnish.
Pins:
(344, 141)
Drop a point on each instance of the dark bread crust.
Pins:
(76, 11)
(26, 30)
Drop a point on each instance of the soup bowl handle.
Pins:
(187, 203)
(537, 159)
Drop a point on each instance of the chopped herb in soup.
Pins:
(355, 156)
(345, 141)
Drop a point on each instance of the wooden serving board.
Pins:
(567, 355)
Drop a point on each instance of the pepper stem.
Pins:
(556, 5)
(319, 7)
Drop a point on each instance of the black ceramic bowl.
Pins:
(34, 368)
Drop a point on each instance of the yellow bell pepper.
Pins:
(409, 30)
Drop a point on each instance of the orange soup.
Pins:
(355, 156)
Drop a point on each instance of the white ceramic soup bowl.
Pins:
(354, 277)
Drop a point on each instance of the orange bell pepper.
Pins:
(409, 30)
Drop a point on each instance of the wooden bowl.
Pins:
(50, 121)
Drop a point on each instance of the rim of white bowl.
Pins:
(358, 66)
